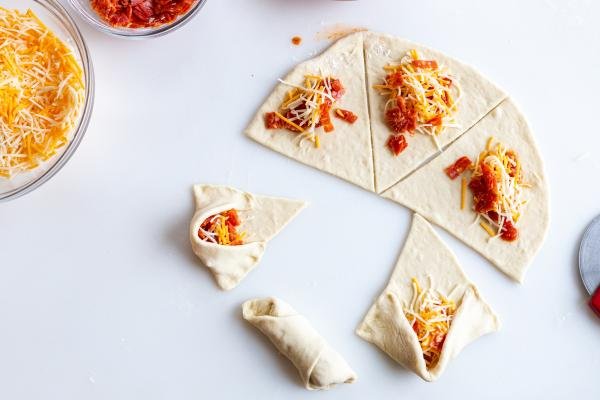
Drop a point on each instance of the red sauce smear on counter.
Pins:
(140, 13)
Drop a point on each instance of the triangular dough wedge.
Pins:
(432, 194)
(426, 258)
(345, 152)
(478, 97)
(262, 218)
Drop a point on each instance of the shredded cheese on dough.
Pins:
(221, 229)
(41, 92)
(463, 192)
(487, 228)
(428, 90)
(430, 315)
(304, 103)
(507, 171)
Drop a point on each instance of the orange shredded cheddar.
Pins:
(222, 229)
(487, 228)
(430, 315)
(307, 107)
(41, 92)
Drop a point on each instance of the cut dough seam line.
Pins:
(444, 148)
(367, 96)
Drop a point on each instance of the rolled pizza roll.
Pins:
(319, 365)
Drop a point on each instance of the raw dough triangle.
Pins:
(432, 194)
(262, 218)
(426, 258)
(479, 96)
(345, 152)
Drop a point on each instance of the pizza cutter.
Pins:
(589, 263)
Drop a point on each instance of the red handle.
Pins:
(595, 302)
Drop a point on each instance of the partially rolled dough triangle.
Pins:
(429, 192)
(262, 217)
(479, 96)
(426, 258)
(345, 152)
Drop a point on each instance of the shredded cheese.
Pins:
(487, 228)
(41, 92)
(430, 315)
(289, 122)
(304, 105)
(432, 92)
(506, 168)
(221, 229)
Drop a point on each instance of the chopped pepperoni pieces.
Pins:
(485, 192)
(233, 218)
(402, 118)
(272, 121)
(325, 119)
(394, 80)
(455, 170)
(508, 232)
(397, 144)
(436, 121)
(301, 111)
(222, 229)
(425, 64)
(337, 89)
(346, 115)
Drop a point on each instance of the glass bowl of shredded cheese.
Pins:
(46, 93)
(137, 19)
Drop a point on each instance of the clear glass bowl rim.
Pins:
(136, 33)
(54, 7)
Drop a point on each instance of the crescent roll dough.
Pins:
(319, 365)
(427, 259)
(262, 218)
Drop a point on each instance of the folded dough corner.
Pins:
(319, 365)
(262, 217)
(425, 258)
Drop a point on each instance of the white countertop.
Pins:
(102, 298)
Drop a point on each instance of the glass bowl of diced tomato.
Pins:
(137, 18)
